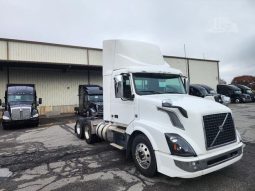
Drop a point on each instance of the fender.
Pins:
(152, 131)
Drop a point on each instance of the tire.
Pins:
(144, 156)
(237, 100)
(75, 127)
(80, 129)
(89, 138)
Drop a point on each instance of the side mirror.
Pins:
(186, 83)
(132, 96)
(40, 101)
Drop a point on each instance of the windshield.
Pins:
(238, 92)
(95, 98)
(249, 91)
(21, 98)
(203, 91)
(151, 83)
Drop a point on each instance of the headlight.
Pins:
(179, 146)
(35, 115)
(6, 117)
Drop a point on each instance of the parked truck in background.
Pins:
(234, 93)
(218, 97)
(246, 90)
(90, 108)
(20, 105)
(90, 101)
(148, 113)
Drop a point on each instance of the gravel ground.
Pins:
(51, 157)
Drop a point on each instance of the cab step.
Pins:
(117, 146)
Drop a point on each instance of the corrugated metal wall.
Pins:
(95, 57)
(178, 63)
(203, 72)
(3, 50)
(46, 53)
(3, 82)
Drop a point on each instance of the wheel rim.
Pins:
(78, 129)
(87, 133)
(237, 100)
(143, 155)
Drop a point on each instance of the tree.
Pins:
(245, 80)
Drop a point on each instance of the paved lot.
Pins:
(50, 157)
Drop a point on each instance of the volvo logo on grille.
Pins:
(221, 129)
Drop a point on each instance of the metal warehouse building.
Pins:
(57, 70)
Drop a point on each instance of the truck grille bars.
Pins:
(20, 113)
(219, 130)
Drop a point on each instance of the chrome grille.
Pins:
(20, 113)
(219, 130)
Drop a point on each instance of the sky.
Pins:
(222, 30)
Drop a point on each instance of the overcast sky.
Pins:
(213, 29)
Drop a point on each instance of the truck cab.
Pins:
(200, 91)
(234, 93)
(246, 90)
(90, 101)
(148, 113)
(20, 106)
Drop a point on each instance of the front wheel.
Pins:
(144, 156)
(237, 100)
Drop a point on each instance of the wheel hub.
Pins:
(143, 155)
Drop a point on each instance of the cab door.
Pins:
(122, 103)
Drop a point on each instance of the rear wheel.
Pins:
(80, 129)
(144, 156)
(89, 137)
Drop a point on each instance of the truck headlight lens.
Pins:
(35, 115)
(179, 146)
(6, 117)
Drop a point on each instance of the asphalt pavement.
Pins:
(51, 157)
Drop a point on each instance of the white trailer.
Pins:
(148, 113)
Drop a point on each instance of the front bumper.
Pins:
(31, 121)
(191, 167)
(246, 100)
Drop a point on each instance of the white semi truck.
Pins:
(148, 113)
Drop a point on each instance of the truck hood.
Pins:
(193, 126)
(189, 103)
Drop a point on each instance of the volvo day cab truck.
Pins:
(20, 106)
(148, 113)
